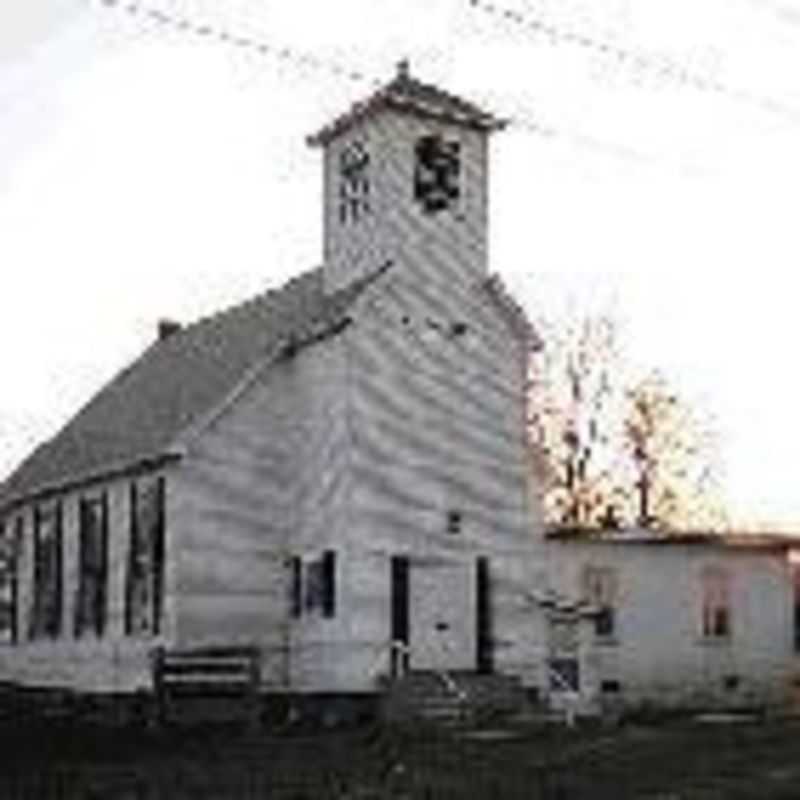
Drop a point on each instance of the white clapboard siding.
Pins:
(395, 223)
(658, 655)
(263, 483)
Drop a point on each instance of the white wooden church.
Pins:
(336, 475)
(335, 472)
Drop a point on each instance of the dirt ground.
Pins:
(666, 760)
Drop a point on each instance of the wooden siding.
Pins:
(111, 663)
(437, 424)
(263, 483)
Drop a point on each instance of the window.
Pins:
(353, 183)
(45, 617)
(144, 584)
(90, 603)
(600, 591)
(9, 581)
(437, 174)
(321, 584)
(454, 522)
(716, 623)
(564, 674)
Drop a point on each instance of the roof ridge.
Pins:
(242, 305)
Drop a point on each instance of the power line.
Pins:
(205, 30)
(657, 65)
(521, 120)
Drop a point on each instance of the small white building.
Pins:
(697, 621)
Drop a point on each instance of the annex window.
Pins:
(716, 599)
(90, 604)
(9, 581)
(45, 620)
(600, 590)
(145, 577)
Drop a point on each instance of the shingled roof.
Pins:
(406, 93)
(141, 413)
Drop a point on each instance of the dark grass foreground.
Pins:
(661, 761)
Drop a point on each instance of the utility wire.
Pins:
(521, 120)
(206, 30)
(657, 65)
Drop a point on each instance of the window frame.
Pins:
(12, 531)
(146, 561)
(91, 593)
(601, 589)
(317, 585)
(46, 619)
(438, 173)
(716, 607)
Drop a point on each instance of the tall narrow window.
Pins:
(90, 603)
(45, 617)
(353, 183)
(9, 581)
(145, 578)
(600, 591)
(716, 591)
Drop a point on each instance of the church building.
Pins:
(335, 472)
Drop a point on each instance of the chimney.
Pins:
(166, 328)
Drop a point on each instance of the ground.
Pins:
(679, 759)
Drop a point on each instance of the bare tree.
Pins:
(614, 450)
(571, 405)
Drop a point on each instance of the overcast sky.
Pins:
(146, 172)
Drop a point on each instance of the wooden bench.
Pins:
(207, 684)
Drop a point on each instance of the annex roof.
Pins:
(406, 93)
(180, 378)
(728, 541)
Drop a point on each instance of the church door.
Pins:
(442, 629)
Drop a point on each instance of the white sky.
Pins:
(148, 173)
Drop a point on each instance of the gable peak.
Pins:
(410, 95)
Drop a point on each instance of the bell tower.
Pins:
(405, 176)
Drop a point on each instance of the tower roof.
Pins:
(406, 93)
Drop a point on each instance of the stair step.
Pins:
(454, 698)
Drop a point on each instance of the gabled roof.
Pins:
(405, 93)
(142, 412)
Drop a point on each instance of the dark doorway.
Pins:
(484, 633)
(400, 605)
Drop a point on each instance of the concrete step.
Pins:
(460, 695)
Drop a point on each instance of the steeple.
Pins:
(405, 176)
